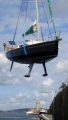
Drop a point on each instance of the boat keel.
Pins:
(44, 66)
(11, 66)
(30, 68)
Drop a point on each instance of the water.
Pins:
(16, 116)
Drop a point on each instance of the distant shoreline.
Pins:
(15, 110)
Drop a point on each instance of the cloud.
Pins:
(22, 95)
(62, 10)
(48, 82)
(36, 87)
(13, 100)
(62, 67)
(28, 79)
(17, 101)
(38, 94)
(20, 100)
(43, 103)
(3, 59)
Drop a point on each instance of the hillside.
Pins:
(16, 110)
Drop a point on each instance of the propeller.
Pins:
(11, 66)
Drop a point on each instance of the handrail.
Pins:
(63, 86)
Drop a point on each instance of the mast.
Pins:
(37, 20)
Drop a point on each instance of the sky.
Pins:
(16, 91)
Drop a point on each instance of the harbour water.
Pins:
(16, 116)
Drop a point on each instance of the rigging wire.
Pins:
(26, 5)
(34, 34)
(47, 20)
(41, 27)
(42, 34)
(29, 15)
(51, 14)
(26, 10)
(24, 47)
(65, 48)
(17, 23)
(16, 26)
(49, 27)
(31, 18)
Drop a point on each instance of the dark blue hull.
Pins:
(36, 53)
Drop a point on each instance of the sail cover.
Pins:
(32, 29)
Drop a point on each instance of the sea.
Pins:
(16, 116)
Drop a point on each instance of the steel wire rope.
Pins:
(17, 22)
(48, 27)
(29, 13)
(35, 17)
(41, 27)
(16, 27)
(60, 75)
(51, 14)
(65, 48)
(24, 33)
(46, 20)
(25, 52)
(32, 17)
